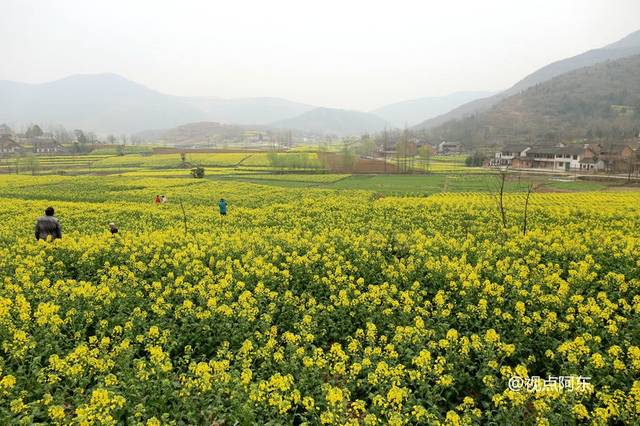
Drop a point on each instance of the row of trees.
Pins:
(397, 150)
(476, 159)
(297, 160)
(78, 136)
(26, 162)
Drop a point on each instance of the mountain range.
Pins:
(602, 100)
(252, 111)
(628, 46)
(340, 121)
(109, 103)
(414, 111)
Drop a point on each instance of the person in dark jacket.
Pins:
(48, 226)
(222, 205)
(113, 228)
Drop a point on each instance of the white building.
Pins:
(553, 158)
(558, 157)
(46, 146)
(505, 156)
(450, 148)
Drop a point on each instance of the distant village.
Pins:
(610, 157)
(20, 143)
(595, 157)
(36, 141)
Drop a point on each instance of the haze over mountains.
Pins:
(259, 111)
(109, 103)
(414, 111)
(112, 104)
(101, 102)
(340, 121)
(628, 46)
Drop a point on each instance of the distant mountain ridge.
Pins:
(591, 102)
(101, 102)
(333, 121)
(628, 46)
(110, 103)
(413, 111)
(247, 110)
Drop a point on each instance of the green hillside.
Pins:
(602, 100)
(627, 47)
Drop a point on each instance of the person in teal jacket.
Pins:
(222, 204)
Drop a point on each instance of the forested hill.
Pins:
(624, 48)
(596, 101)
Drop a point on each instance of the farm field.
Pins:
(446, 164)
(106, 160)
(420, 185)
(332, 304)
(293, 170)
(172, 160)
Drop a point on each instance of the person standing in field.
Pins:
(222, 205)
(158, 199)
(48, 226)
(113, 228)
(164, 199)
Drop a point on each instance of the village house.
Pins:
(618, 158)
(421, 143)
(46, 146)
(590, 161)
(614, 157)
(505, 156)
(553, 158)
(450, 148)
(9, 146)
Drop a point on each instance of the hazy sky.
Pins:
(345, 53)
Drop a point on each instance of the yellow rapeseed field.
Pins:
(310, 306)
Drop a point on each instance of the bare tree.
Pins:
(34, 131)
(425, 154)
(80, 136)
(385, 147)
(184, 219)
(502, 179)
(29, 162)
(61, 134)
(525, 217)
(91, 138)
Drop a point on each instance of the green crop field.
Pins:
(172, 160)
